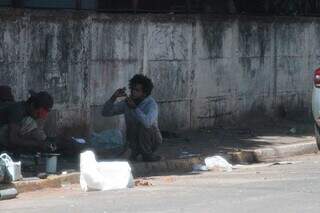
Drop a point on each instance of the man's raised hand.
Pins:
(119, 93)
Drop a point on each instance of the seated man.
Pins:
(19, 131)
(141, 115)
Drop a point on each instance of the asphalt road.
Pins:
(259, 188)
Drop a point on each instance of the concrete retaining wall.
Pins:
(206, 70)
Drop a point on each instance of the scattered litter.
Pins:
(285, 163)
(215, 163)
(142, 183)
(199, 167)
(101, 176)
(68, 171)
(293, 130)
(218, 163)
(79, 140)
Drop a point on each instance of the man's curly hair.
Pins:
(144, 81)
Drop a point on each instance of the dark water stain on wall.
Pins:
(213, 35)
(254, 39)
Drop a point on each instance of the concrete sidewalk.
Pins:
(237, 145)
(271, 142)
(184, 149)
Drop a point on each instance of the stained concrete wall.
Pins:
(207, 70)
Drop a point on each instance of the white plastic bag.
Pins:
(218, 163)
(103, 176)
(14, 168)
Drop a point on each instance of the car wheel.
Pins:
(317, 134)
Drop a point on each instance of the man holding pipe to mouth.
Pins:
(141, 116)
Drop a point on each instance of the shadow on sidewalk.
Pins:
(187, 145)
(221, 140)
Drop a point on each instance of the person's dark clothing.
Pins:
(13, 112)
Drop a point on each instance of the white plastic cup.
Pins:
(51, 163)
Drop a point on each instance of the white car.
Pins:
(316, 105)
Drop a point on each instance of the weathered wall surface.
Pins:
(206, 70)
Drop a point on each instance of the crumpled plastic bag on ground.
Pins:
(101, 176)
(215, 163)
(218, 163)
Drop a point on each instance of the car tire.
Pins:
(317, 135)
